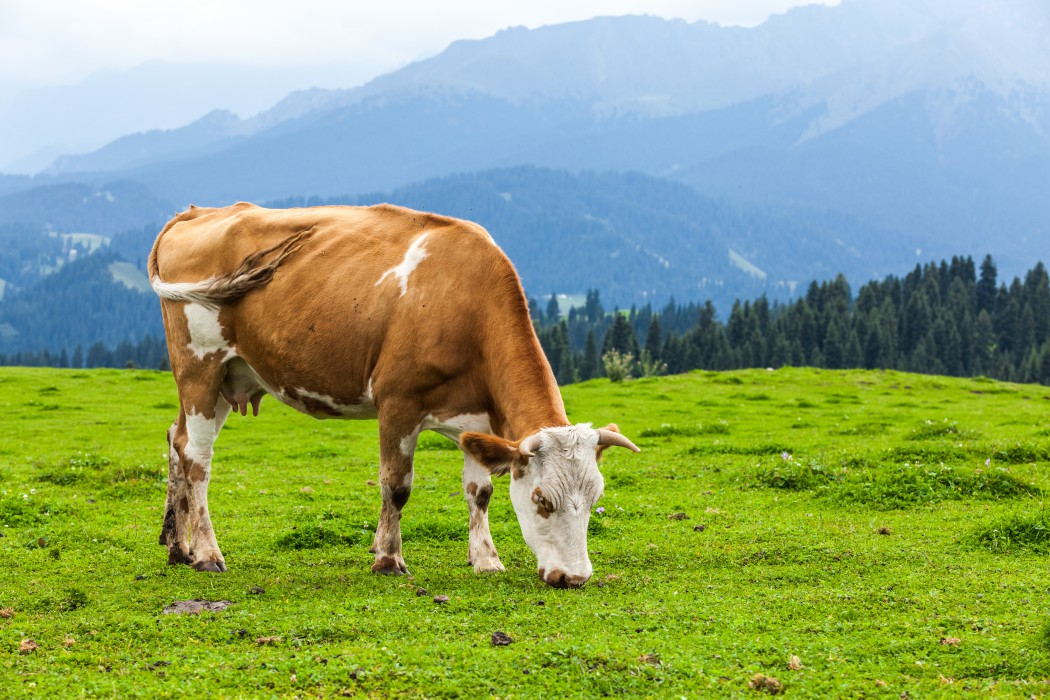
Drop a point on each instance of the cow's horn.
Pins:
(608, 437)
(529, 445)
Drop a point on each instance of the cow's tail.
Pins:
(254, 272)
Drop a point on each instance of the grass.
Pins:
(887, 529)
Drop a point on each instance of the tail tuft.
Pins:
(250, 275)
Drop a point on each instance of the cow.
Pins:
(415, 319)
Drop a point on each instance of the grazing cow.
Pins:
(371, 312)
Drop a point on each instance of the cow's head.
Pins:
(555, 483)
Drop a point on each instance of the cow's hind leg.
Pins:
(175, 533)
(477, 487)
(397, 445)
(190, 537)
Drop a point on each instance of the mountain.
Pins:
(635, 238)
(61, 120)
(920, 129)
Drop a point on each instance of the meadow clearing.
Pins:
(817, 533)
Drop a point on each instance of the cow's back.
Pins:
(371, 292)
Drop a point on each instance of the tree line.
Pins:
(941, 318)
(948, 318)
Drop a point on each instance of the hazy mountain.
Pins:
(72, 119)
(635, 238)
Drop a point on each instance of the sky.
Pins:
(60, 42)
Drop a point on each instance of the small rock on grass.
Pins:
(501, 639)
(441, 599)
(678, 516)
(422, 592)
(794, 663)
(27, 646)
(256, 590)
(885, 531)
(267, 640)
(951, 641)
(196, 607)
(765, 684)
(699, 528)
(7, 613)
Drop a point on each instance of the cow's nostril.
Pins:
(556, 579)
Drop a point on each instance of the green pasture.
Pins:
(843, 534)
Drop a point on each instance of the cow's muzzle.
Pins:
(559, 579)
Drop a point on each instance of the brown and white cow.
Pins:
(371, 312)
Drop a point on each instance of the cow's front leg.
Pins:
(477, 487)
(397, 445)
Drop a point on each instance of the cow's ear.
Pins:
(601, 448)
(494, 453)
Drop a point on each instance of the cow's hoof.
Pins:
(390, 566)
(493, 565)
(215, 567)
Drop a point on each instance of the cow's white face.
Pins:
(553, 496)
(555, 483)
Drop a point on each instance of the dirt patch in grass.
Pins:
(196, 607)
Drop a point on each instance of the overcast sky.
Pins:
(48, 42)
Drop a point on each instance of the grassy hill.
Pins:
(886, 529)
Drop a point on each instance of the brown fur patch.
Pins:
(494, 453)
(200, 511)
(168, 529)
(482, 499)
(315, 407)
(542, 507)
(557, 579)
(184, 505)
(197, 473)
(472, 488)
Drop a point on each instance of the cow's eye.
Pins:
(539, 499)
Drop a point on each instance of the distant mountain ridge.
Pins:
(926, 123)
(638, 240)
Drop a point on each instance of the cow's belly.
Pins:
(243, 385)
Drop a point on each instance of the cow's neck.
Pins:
(524, 392)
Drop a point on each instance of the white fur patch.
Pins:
(415, 254)
(408, 443)
(364, 409)
(194, 292)
(205, 331)
(201, 432)
(455, 426)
